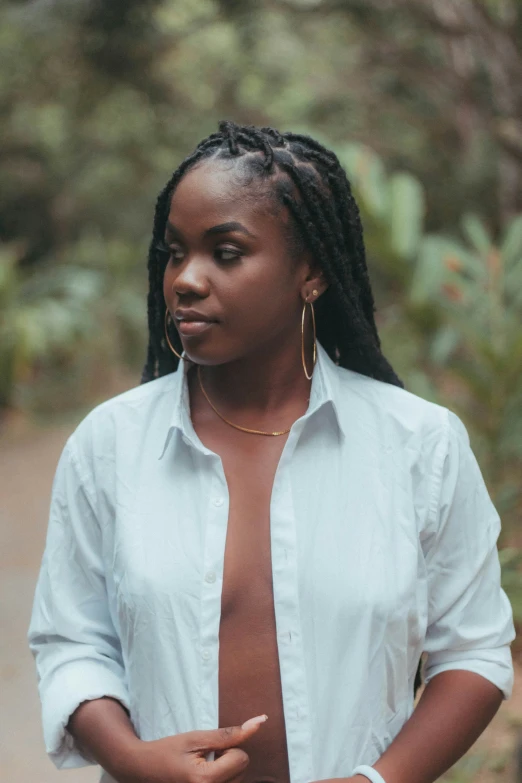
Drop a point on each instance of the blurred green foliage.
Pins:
(421, 101)
(451, 314)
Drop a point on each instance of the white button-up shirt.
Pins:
(383, 543)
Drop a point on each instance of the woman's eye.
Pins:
(227, 254)
(173, 251)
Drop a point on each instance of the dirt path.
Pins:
(27, 465)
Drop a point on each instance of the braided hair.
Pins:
(309, 181)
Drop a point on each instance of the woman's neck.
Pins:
(262, 382)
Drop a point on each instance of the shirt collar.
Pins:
(324, 393)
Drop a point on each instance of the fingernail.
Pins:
(254, 721)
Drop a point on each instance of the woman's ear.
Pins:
(314, 285)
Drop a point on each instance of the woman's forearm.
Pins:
(104, 732)
(453, 711)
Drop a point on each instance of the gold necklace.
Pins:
(236, 426)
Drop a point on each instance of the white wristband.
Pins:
(368, 772)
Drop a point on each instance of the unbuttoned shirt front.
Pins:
(383, 545)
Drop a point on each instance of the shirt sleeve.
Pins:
(71, 634)
(470, 621)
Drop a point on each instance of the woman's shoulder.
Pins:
(390, 410)
(126, 417)
(427, 439)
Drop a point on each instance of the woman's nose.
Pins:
(191, 279)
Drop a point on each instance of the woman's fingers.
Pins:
(231, 761)
(229, 767)
(221, 739)
(254, 722)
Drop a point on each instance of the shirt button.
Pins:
(210, 577)
(218, 501)
(205, 655)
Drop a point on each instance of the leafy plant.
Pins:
(478, 289)
(64, 323)
(46, 315)
(451, 317)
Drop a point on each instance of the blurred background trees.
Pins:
(421, 99)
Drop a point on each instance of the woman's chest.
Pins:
(349, 526)
(247, 557)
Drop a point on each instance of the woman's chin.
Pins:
(204, 349)
(201, 354)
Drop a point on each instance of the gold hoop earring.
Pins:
(168, 339)
(309, 377)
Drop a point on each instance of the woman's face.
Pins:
(231, 284)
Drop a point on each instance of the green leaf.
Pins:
(431, 270)
(444, 343)
(428, 273)
(368, 176)
(511, 245)
(476, 232)
(513, 282)
(406, 214)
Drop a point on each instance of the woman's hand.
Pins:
(181, 758)
(354, 779)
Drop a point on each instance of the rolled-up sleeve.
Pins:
(470, 621)
(71, 634)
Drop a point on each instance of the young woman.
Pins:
(270, 525)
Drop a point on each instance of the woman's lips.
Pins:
(189, 328)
